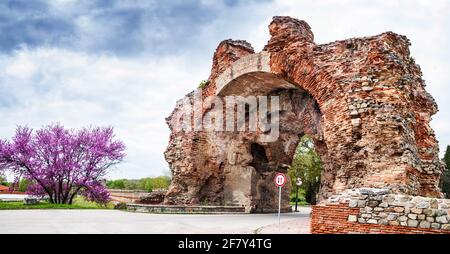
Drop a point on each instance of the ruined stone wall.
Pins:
(376, 111)
(373, 128)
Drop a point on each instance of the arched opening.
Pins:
(308, 167)
(250, 181)
(259, 161)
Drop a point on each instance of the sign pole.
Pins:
(280, 180)
(279, 204)
(298, 182)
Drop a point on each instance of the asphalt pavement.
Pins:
(115, 221)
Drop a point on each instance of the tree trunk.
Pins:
(75, 192)
(50, 197)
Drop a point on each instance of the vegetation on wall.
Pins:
(203, 84)
(308, 166)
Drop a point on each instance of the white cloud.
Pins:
(77, 90)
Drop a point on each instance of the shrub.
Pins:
(203, 84)
(120, 206)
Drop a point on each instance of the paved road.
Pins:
(114, 221)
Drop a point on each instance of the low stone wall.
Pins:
(126, 195)
(184, 209)
(378, 211)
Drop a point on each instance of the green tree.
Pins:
(161, 182)
(23, 184)
(445, 178)
(147, 184)
(132, 184)
(144, 184)
(308, 166)
(3, 180)
(116, 184)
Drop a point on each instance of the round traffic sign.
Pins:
(280, 179)
(299, 181)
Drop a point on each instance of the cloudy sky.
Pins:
(125, 63)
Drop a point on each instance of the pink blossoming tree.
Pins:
(62, 163)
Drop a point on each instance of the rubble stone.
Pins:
(413, 223)
(424, 224)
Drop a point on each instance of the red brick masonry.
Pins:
(333, 219)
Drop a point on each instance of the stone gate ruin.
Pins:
(361, 100)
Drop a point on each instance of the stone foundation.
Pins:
(181, 209)
(379, 211)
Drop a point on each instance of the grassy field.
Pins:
(79, 203)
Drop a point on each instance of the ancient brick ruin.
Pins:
(361, 100)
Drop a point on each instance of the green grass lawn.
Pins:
(79, 203)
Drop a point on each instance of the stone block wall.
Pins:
(369, 210)
(183, 209)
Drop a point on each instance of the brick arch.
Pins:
(251, 75)
(311, 77)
